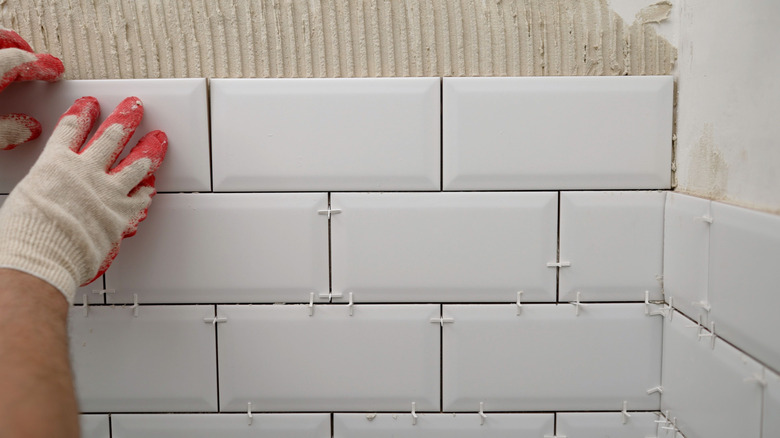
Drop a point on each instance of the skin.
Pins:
(36, 383)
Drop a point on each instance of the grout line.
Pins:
(110, 427)
(330, 250)
(412, 191)
(208, 118)
(441, 134)
(216, 357)
(558, 251)
(441, 360)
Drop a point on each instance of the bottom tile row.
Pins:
(366, 358)
(581, 425)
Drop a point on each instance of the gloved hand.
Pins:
(19, 63)
(64, 221)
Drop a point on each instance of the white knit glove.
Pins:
(64, 221)
(19, 63)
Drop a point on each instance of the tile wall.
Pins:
(459, 257)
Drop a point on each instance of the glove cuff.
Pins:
(37, 247)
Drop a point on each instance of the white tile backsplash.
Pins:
(320, 143)
(443, 425)
(556, 133)
(545, 357)
(687, 222)
(176, 106)
(95, 426)
(328, 357)
(222, 425)
(217, 248)
(607, 424)
(744, 280)
(712, 392)
(326, 134)
(613, 242)
(444, 247)
(771, 421)
(158, 359)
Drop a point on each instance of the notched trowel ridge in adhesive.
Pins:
(366, 38)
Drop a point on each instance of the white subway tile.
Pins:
(326, 134)
(177, 106)
(557, 133)
(744, 280)
(686, 253)
(297, 358)
(402, 247)
(606, 424)
(771, 419)
(95, 426)
(708, 390)
(162, 360)
(548, 358)
(222, 425)
(218, 248)
(614, 242)
(442, 425)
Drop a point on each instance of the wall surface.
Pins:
(728, 101)
(347, 38)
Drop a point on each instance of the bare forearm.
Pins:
(37, 397)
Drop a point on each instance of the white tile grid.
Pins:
(771, 392)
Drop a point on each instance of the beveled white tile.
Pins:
(561, 133)
(442, 425)
(217, 248)
(162, 360)
(708, 390)
(744, 279)
(614, 242)
(222, 425)
(177, 106)
(326, 134)
(548, 358)
(606, 424)
(282, 358)
(95, 426)
(771, 421)
(397, 247)
(686, 253)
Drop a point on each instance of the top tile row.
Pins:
(385, 134)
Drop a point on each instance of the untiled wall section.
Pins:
(369, 257)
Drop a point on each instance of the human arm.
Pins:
(60, 228)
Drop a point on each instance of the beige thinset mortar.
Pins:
(340, 38)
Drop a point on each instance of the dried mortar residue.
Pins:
(707, 169)
(341, 38)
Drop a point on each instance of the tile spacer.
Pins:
(442, 320)
(759, 378)
(704, 304)
(330, 295)
(311, 304)
(329, 212)
(135, 305)
(663, 311)
(215, 319)
(624, 412)
(577, 304)
(414, 414)
(249, 413)
(351, 305)
(561, 264)
(103, 291)
(482, 416)
(659, 389)
(519, 304)
(710, 335)
(85, 305)
(705, 218)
